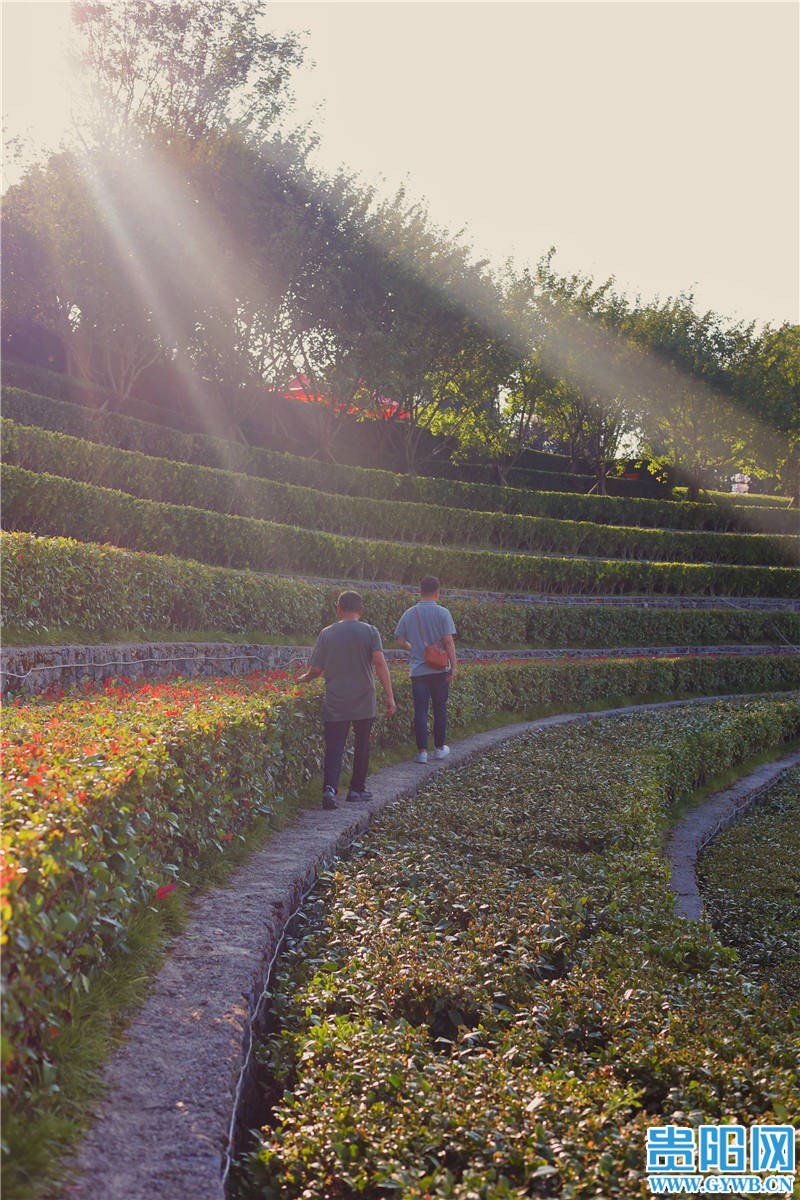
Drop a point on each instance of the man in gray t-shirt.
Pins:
(349, 654)
(423, 625)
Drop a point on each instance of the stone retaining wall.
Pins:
(32, 669)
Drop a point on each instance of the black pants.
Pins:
(430, 689)
(335, 740)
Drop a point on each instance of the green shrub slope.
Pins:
(161, 479)
(48, 504)
(750, 882)
(505, 1012)
(127, 433)
(51, 583)
(112, 794)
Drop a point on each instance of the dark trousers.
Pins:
(434, 689)
(335, 740)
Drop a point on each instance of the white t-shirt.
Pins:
(436, 622)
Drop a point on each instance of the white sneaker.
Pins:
(422, 757)
(443, 753)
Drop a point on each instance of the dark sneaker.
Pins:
(358, 797)
(329, 798)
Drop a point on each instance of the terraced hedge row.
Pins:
(48, 504)
(161, 479)
(105, 790)
(552, 471)
(126, 433)
(55, 385)
(60, 583)
(743, 499)
(61, 388)
(496, 1000)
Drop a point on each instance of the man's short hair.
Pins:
(429, 585)
(350, 602)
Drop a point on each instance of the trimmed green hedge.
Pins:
(743, 499)
(47, 504)
(161, 479)
(749, 877)
(537, 468)
(567, 626)
(493, 997)
(60, 583)
(66, 389)
(129, 434)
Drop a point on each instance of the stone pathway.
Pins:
(163, 1129)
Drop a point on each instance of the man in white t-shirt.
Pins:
(422, 625)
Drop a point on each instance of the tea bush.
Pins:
(157, 478)
(48, 504)
(594, 625)
(494, 998)
(52, 583)
(750, 882)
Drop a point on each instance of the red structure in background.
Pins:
(300, 389)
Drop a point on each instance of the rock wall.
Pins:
(33, 669)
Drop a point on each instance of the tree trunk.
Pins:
(791, 474)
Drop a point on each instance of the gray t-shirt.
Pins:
(344, 655)
(436, 621)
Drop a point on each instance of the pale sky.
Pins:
(656, 142)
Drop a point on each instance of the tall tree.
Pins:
(195, 69)
(176, 228)
(689, 415)
(337, 298)
(247, 238)
(441, 311)
(71, 271)
(766, 382)
(592, 403)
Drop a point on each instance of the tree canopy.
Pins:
(186, 226)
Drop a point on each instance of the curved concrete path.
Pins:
(688, 839)
(162, 1130)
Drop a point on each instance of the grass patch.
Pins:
(37, 1138)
